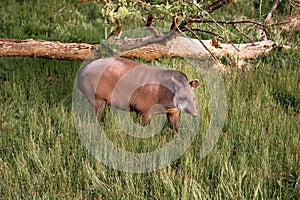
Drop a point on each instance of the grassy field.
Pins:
(42, 156)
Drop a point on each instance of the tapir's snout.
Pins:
(193, 113)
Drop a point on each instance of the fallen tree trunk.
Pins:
(173, 47)
(45, 49)
(186, 47)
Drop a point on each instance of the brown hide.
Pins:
(132, 86)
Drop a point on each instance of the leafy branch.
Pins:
(184, 16)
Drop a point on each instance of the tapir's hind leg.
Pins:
(99, 108)
(173, 119)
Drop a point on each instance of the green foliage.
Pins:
(172, 8)
(121, 9)
(160, 10)
(42, 157)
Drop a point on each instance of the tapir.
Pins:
(129, 85)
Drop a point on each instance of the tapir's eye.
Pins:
(181, 99)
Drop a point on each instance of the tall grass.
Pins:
(42, 156)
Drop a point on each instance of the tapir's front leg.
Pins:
(173, 118)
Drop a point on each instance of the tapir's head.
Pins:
(184, 98)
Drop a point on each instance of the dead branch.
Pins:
(45, 49)
(117, 31)
(173, 47)
(232, 23)
(175, 22)
(197, 37)
(195, 48)
(149, 41)
(215, 34)
(242, 33)
(155, 32)
(263, 30)
(149, 21)
(295, 5)
(269, 16)
(216, 5)
(196, 20)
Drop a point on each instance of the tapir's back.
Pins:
(107, 67)
(99, 78)
(114, 72)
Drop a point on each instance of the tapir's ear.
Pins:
(194, 83)
(177, 83)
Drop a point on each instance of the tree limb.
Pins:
(45, 49)
(263, 30)
(117, 31)
(215, 34)
(149, 21)
(216, 5)
(195, 35)
(149, 41)
(245, 35)
(196, 20)
(174, 46)
(269, 16)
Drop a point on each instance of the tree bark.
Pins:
(45, 49)
(173, 47)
